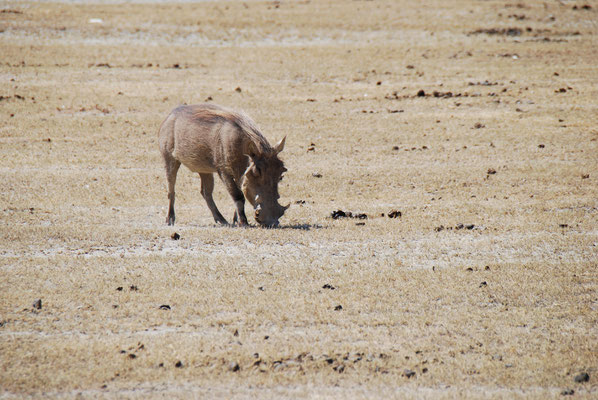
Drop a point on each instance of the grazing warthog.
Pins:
(208, 138)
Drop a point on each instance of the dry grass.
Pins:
(506, 309)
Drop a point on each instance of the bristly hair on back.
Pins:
(214, 113)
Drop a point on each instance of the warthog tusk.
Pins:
(258, 207)
(257, 198)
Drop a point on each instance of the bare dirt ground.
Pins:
(477, 120)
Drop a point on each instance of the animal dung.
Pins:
(456, 227)
(338, 214)
(395, 214)
(175, 236)
(582, 377)
(347, 214)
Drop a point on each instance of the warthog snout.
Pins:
(269, 218)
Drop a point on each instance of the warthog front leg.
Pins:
(207, 187)
(238, 198)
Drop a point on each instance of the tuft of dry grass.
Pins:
(476, 120)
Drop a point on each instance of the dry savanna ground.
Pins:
(476, 120)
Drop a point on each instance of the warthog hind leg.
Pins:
(172, 167)
(207, 187)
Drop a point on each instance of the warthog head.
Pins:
(260, 185)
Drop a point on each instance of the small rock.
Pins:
(316, 175)
(179, 364)
(483, 284)
(585, 176)
(238, 89)
(421, 93)
(568, 392)
(327, 286)
(236, 332)
(479, 125)
(338, 308)
(120, 288)
(541, 146)
(234, 366)
(133, 288)
(175, 236)
(583, 377)
(38, 304)
(408, 373)
(491, 171)
(132, 356)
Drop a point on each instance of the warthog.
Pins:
(208, 138)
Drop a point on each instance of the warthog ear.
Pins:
(278, 148)
(251, 151)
